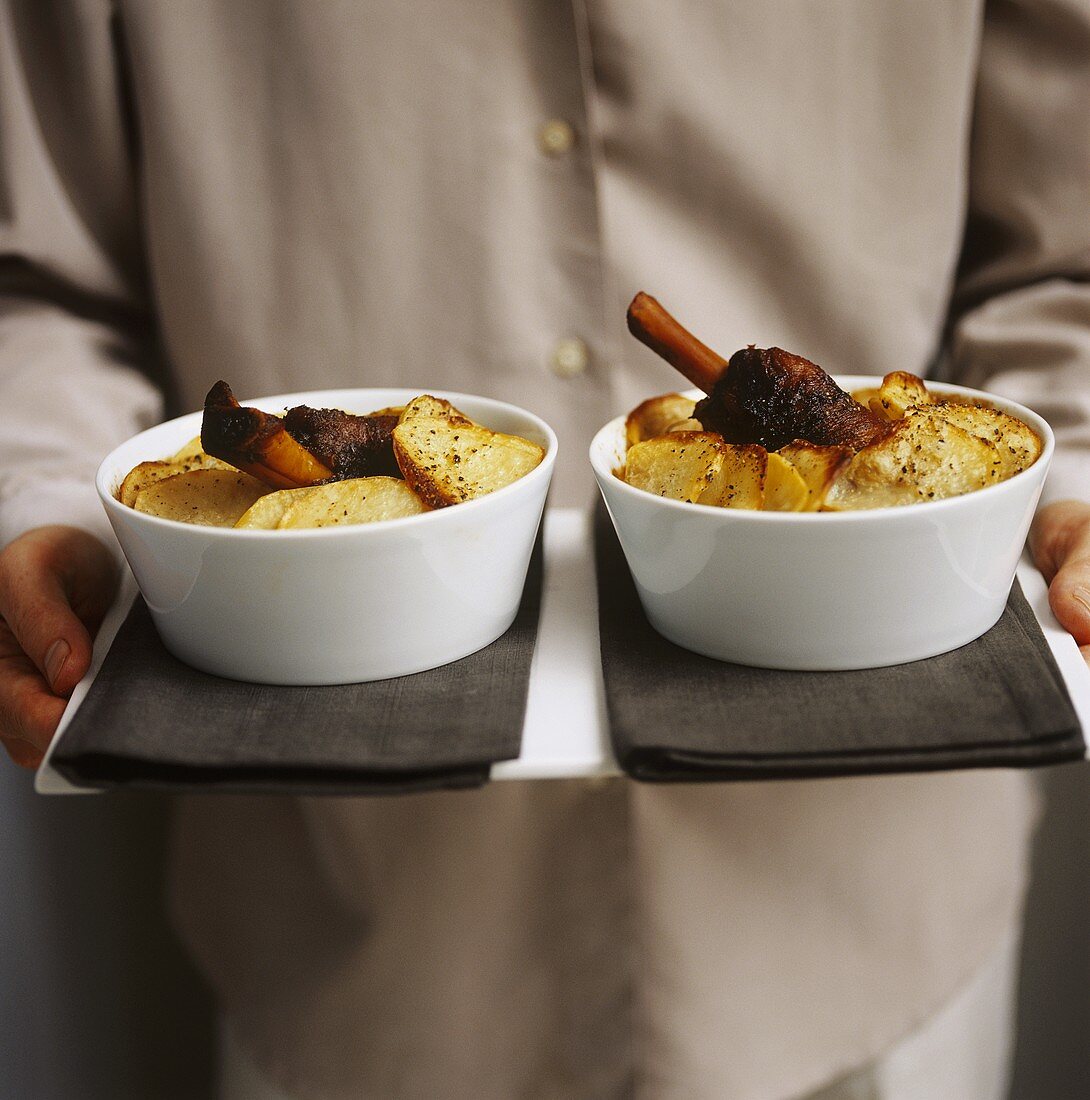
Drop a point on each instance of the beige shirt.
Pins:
(293, 195)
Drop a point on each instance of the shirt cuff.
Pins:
(73, 503)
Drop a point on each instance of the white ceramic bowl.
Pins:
(822, 591)
(339, 604)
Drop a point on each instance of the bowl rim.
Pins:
(274, 402)
(905, 514)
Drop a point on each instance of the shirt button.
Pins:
(571, 356)
(555, 138)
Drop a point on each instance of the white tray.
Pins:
(565, 732)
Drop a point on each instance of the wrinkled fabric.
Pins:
(291, 196)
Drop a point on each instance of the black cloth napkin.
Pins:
(151, 721)
(676, 716)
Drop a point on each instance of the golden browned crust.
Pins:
(256, 442)
(771, 396)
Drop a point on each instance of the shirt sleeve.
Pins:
(77, 346)
(1021, 322)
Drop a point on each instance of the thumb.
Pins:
(1060, 543)
(55, 584)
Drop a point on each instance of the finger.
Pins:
(23, 753)
(1085, 651)
(36, 607)
(89, 577)
(55, 640)
(1060, 532)
(1060, 543)
(1069, 598)
(90, 580)
(29, 711)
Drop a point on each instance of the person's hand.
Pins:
(56, 583)
(1060, 543)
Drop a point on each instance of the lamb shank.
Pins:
(762, 395)
(304, 447)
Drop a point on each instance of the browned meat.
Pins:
(763, 395)
(771, 397)
(351, 446)
(256, 442)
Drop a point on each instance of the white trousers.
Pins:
(963, 1051)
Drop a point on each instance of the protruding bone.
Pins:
(653, 326)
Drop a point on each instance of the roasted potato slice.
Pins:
(1017, 445)
(433, 407)
(740, 479)
(215, 498)
(863, 397)
(146, 474)
(658, 415)
(680, 466)
(923, 458)
(143, 477)
(390, 410)
(690, 425)
(818, 467)
(785, 490)
(192, 449)
(266, 513)
(356, 500)
(899, 392)
(446, 461)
